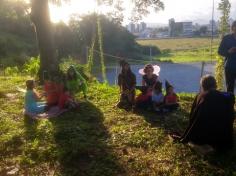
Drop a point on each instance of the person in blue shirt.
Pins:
(227, 49)
(32, 104)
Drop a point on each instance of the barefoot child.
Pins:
(32, 104)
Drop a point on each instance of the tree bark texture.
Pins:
(43, 28)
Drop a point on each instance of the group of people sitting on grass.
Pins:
(211, 117)
(59, 90)
(212, 113)
(151, 96)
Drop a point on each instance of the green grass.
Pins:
(99, 139)
(184, 49)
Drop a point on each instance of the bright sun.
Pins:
(63, 12)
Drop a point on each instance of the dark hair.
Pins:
(123, 64)
(146, 67)
(70, 77)
(233, 24)
(158, 86)
(29, 84)
(208, 82)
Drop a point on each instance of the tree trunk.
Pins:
(43, 28)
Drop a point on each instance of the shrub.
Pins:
(31, 67)
(154, 50)
(11, 71)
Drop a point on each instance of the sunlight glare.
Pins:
(63, 12)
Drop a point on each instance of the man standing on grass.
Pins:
(227, 49)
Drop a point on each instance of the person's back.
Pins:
(31, 97)
(211, 117)
(212, 120)
(30, 101)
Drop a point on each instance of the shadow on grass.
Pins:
(177, 122)
(170, 122)
(81, 139)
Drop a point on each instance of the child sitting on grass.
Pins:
(32, 104)
(66, 101)
(157, 96)
(171, 98)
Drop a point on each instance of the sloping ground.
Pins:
(98, 140)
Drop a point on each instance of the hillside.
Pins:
(99, 139)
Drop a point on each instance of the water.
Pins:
(184, 77)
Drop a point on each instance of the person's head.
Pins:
(158, 87)
(71, 72)
(208, 82)
(148, 69)
(125, 67)
(30, 84)
(233, 27)
(169, 88)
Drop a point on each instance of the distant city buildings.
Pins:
(136, 28)
(175, 29)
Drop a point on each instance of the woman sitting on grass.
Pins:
(148, 81)
(75, 82)
(32, 106)
(126, 82)
(150, 77)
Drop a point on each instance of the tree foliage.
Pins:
(17, 41)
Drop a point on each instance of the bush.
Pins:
(11, 71)
(154, 50)
(31, 67)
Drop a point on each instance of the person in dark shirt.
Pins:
(227, 49)
(149, 78)
(126, 82)
(211, 117)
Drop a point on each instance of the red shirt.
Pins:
(171, 98)
(53, 91)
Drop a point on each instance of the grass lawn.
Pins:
(99, 140)
(184, 49)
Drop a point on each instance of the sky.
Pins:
(198, 11)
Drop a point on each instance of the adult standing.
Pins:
(227, 49)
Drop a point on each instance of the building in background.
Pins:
(180, 29)
(212, 27)
(131, 27)
(136, 28)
